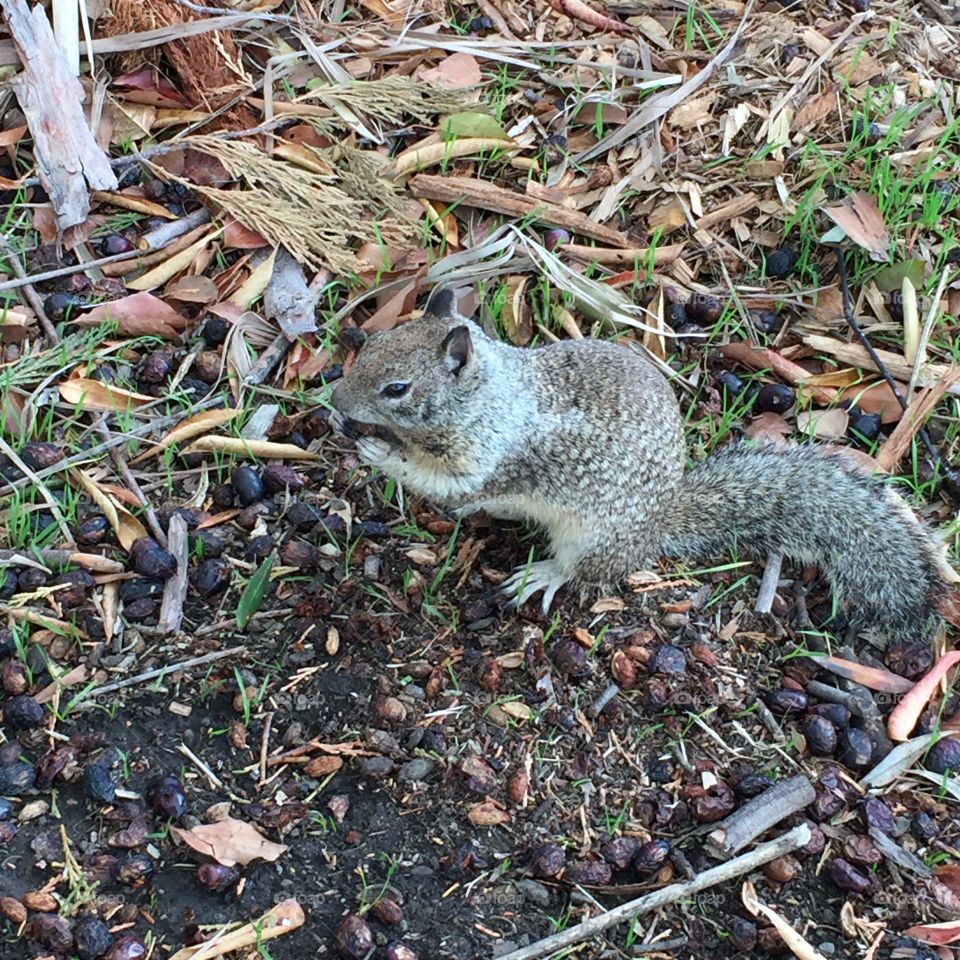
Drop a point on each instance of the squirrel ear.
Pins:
(441, 303)
(457, 349)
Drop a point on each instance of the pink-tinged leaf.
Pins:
(238, 237)
(872, 678)
(148, 86)
(861, 220)
(907, 712)
(456, 71)
(949, 875)
(939, 934)
(140, 314)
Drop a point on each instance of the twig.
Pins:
(769, 582)
(215, 781)
(769, 808)
(884, 372)
(131, 481)
(60, 558)
(159, 672)
(798, 837)
(175, 590)
(264, 746)
(33, 298)
(267, 360)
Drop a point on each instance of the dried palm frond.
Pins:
(390, 100)
(303, 210)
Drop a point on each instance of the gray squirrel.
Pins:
(584, 438)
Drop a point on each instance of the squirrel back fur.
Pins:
(584, 437)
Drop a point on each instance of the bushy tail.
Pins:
(885, 566)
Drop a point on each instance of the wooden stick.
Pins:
(485, 196)
(769, 582)
(661, 255)
(799, 836)
(175, 590)
(766, 810)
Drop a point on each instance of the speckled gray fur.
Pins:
(585, 438)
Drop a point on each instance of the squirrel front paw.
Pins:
(530, 579)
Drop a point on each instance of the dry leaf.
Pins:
(457, 70)
(904, 716)
(195, 426)
(936, 933)
(94, 395)
(124, 524)
(860, 219)
(165, 271)
(139, 315)
(826, 424)
(193, 289)
(230, 841)
(253, 287)
(488, 813)
(769, 425)
(254, 449)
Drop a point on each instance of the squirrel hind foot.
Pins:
(532, 578)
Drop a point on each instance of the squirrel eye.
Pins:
(394, 390)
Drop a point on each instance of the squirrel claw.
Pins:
(532, 578)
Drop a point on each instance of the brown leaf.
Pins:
(860, 219)
(230, 842)
(936, 933)
(137, 315)
(488, 813)
(125, 525)
(457, 70)
(872, 678)
(94, 395)
(768, 425)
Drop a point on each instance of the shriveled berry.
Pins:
(667, 658)
(152, 560)
(299, 553)
(278, 477)
(115, 243)
(398, 950)
(156, 367)
(729, 381)
(247, 484)
(590, 873)
(14, 678)
(98, 783)
(847, 877)
(781, 262)
(22, 713)
(91, 938)
(703, 310)
(923, 826)
(8, 831)
(866, 426)
(354, 938)
(38, 455)
(570, 658)
(836, 713)
(790, 52)
(74, 587)
(61, 306)
(651, 856)
(136, 870)
(786, 701)
(548, 860)
(215, 331)
(555, 238)
(388, 911)
(775, 398)
(821, 736)
(16, 778)
(855, 749)
(13, 910)
(676, 315)
(743, 935)
(167, 798)
(876, 815)
(943, 756)
(782, 869)
(620, 851)
(766, 321)
(50, 930)
(211, 577)
(92, 531)
(216, 876)
(126, 948)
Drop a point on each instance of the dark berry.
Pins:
(780, 262)
(248, 485)
(775, 398)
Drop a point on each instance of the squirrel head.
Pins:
(416, 377)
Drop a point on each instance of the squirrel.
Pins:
(584, 438)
